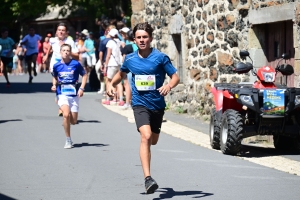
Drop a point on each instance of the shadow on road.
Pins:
(168, 193)
(10, 120)
(4, 197)
(257, 151)
(88, 121)
(25, 88)
(89, 145)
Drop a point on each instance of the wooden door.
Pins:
(279, 38)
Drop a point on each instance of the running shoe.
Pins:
(150, 185)
(106, 102)
(7, 85)
(121, 103)
(34, 72)
(30, 79)
(68, 144)
(126, 106)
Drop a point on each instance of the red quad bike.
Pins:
(263, 108)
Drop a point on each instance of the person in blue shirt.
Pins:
(65, 83)
(30, 41)
(7, 45)
(149, 68)
(90, 51)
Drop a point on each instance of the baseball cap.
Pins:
(85, 32)
(124, 30)
(113, 32)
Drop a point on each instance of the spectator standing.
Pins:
(128, 49)
(90, 51)
(125, 19)
(83, 62)
(39, 59)
(46, 47)
(21, 53)
(30, 41)
(113, 63)
(102, 58)
(7, 46)
(123, 33)
(15, 63)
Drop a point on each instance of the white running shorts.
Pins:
(112, 71)
(91, 60)
(72, 102)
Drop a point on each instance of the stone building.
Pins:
(203, 39)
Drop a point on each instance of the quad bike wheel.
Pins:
(231, 132)
(214, 130)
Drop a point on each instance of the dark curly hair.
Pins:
(143, 26)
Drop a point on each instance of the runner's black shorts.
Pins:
(144, 116)
(29, 57)
(6, 60)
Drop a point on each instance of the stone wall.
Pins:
(212, 33)
(297, 44)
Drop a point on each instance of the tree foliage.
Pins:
(22, 10)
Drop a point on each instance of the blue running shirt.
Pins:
(67, 73)
(157, 64)
(31, 44)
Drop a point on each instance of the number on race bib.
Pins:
(68, 89)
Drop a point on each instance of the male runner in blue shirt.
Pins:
(149, 68)
(30, 41)
(65, 82)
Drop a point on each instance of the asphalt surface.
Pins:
(104, 163)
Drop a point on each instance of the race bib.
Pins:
(68, 89)
(145, 82)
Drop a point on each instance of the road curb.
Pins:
(202, 139)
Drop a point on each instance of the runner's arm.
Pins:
(54, 83)
(115, 81)
(83, 82)
(81, 88)
(165, 89)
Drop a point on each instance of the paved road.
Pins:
(104, 163)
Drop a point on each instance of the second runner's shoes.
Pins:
(68, 144)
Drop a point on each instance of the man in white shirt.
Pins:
(30, 41)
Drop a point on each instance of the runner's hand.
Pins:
(53, 88)
(164, 90)
(80, 93)
(110, 90)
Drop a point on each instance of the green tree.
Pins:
(22, 10)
